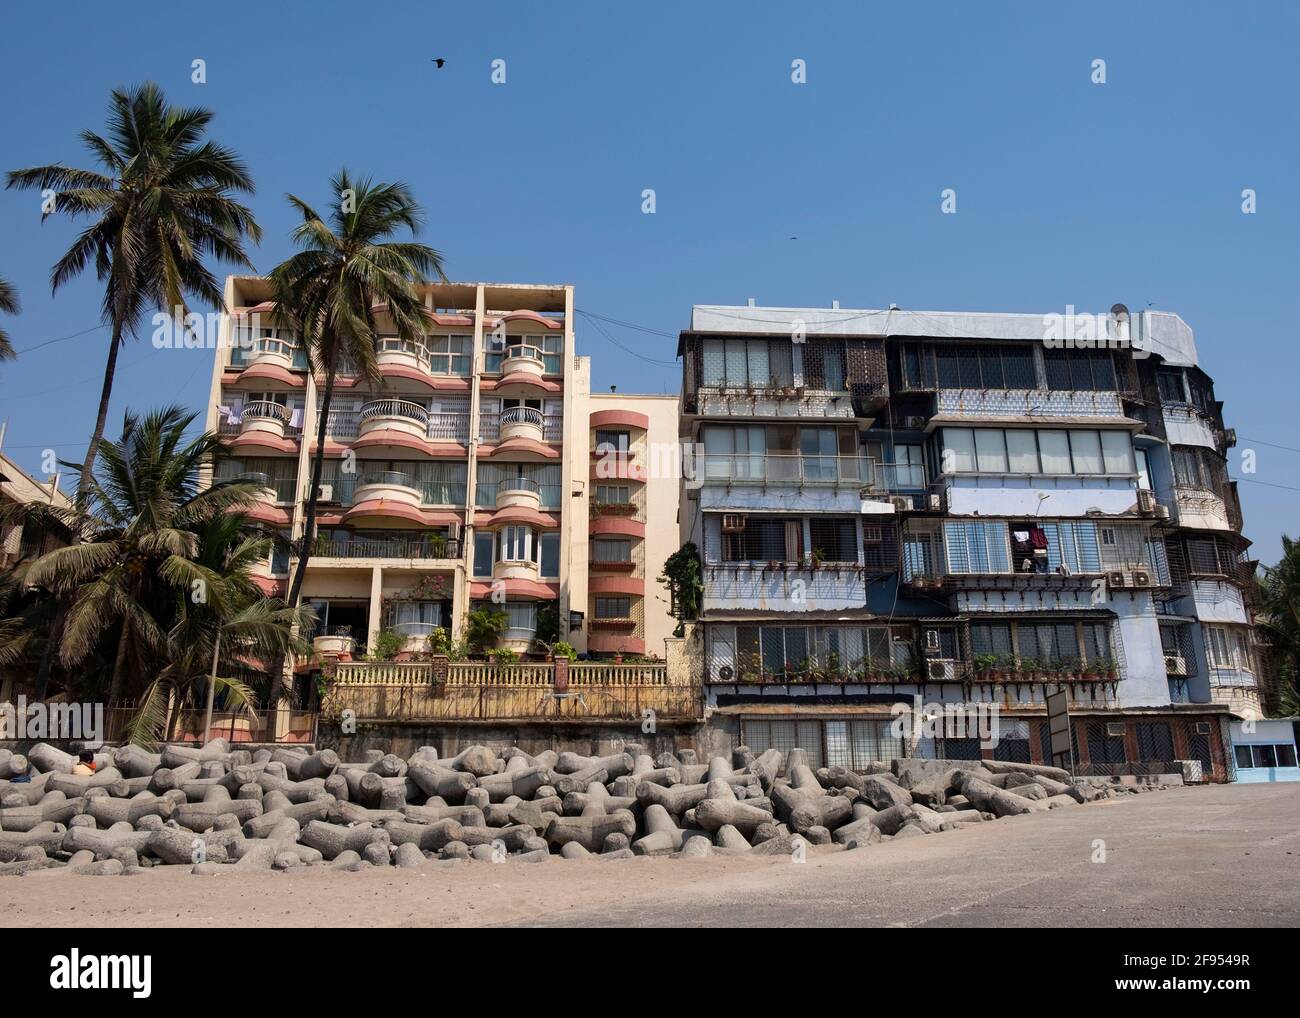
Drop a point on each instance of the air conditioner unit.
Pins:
(1229, 436)
(1141, 578)
(1162, 512)
(942, 671)
(1115, 729)
(914, 422)
(1202, 728)
(1117, 579)
(1175, 665)
(931, 643)
(733, 523)
(325, 493)
(936, 503)
(901, 503)
(1146, 502)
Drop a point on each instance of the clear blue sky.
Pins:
(1068, 192)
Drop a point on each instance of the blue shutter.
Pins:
(996, 539)
(1053, 545)
(1089, 553)
(979, 557)
(955, 541)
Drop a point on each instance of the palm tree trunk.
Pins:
(88, 464)
(48, 652)
(308, 533)
(119, 669)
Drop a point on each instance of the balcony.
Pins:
(1201, 509)
(786, 470)
(524, 358)
(522, 422)
(515, 569)
(1015, 403)
(386, 486)
(522, 492)
(264, 415)
(796, 403)
(394, 415)
(389, 545)
(784, 586)
(277, 489)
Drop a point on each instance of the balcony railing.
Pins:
(423, 546)
(397, 692)
(265, 409)
(395, 408)
(449, 427)
(514, 484)
(522, 415)
(393, 477)
(285, 488)
(785, 468)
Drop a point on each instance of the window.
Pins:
(483, 553)
(765, 540)
(550, 555)
(1170, 383)
(613, 607)
(746, 363)
(516, 545)
(909, 470)
(1281, 754)
(611, 549)
(449, 355)
(976, 547)
(415, 618)
(613, 442)
(521, 620)
(613, 494)
(835, 540)
(1081, 370)
(994, 451)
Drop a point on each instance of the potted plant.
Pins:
(1027, 669)
(984, 665)
(817, 558)
(1107, 668)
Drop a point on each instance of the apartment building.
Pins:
(964, 508)
(17, 487)
(466, 478)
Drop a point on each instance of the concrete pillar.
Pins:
(376, 606)
(561, 666)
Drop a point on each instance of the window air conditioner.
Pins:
(1115, 729)
(1202, 728)
(1146, 502)
(901, 503)
(942, 671)
(1175, 665)
(1117, 579)
(1141, 578)
(325, 493)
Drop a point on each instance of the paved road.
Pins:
(1208, 856)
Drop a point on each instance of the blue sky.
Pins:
(1068, 192)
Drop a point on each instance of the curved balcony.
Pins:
(383, 496)
(514, 569)
(518, 492)
(331, 643)
(522, 422)
(524, 357)
(264, 425)
(392, 426)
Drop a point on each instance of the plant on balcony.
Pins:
(984, 667)
(560, 649)
(439, 642)
(502, 656)
(484, 626)
(1106, 667)
(388, 644)
(681, 575)
(348, 264)
(613, 509)
(548, 622)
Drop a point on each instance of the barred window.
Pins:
(612, 494)
(836, 540)
(747, 363)
(611, 549)
(613, 607)
(765, 541)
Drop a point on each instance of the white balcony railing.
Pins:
(264, 409)
(378, 408)
(785, 468)
(522, 415)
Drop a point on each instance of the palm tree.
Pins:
(253, 630)
(141, 524)
(1279, 624)
(329, 292)
(163, 203)
(8, 306)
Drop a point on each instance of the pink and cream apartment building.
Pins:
(467, 476)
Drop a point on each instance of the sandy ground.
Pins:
(1220, 855)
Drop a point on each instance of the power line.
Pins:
(1267, 484)
(649, 360)
(60, 339)
(1271, 445)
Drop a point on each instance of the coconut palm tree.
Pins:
(329, 292)
(140, 550)
(1279, 624)
(164, 201)
(8, 306)
(254, 632)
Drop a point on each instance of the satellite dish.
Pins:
(725, 673)
(1119, 312)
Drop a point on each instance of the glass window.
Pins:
(1117, 452)
(612, 494)
(613, 607)
(1022, 452)
(959, 450)
(1143, 470)
(483, 553)
(611, 549)
(613, 441)
(1054, 450)
(550, 555)
(990, 452)
(1086, 449)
